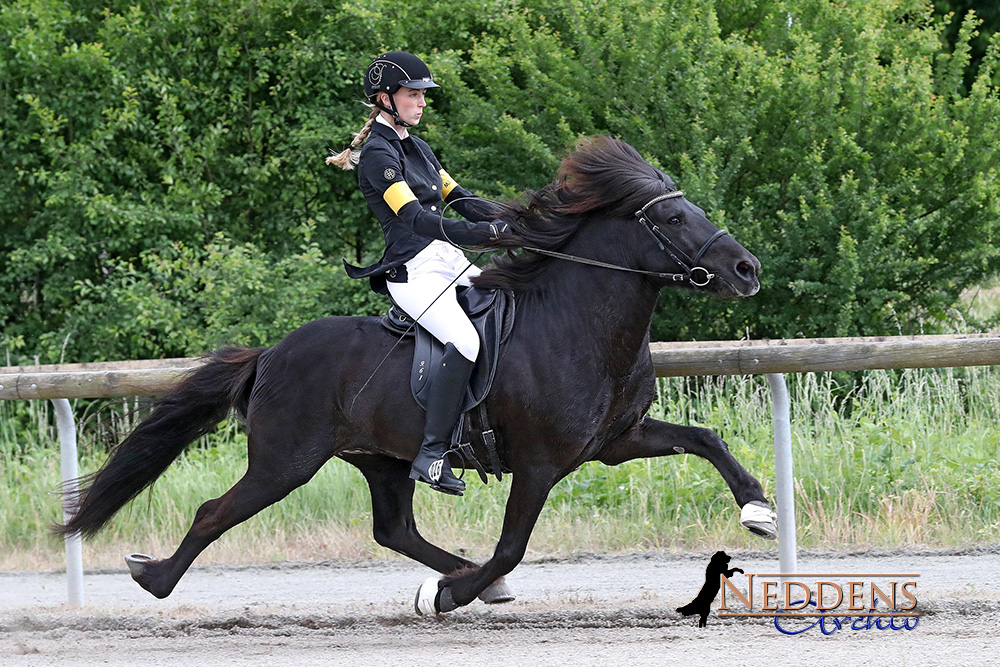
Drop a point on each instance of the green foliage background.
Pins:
(162, 185)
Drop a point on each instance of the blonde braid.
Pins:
(349, 157)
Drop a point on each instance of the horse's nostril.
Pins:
(745, 270)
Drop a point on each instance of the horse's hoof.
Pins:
(143, 570)
(137, 564)
(423, 603)
(757, 517)
(497, 593)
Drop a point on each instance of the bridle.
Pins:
(693, 273)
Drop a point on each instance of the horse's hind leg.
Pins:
(652, 437)
(394, 527)
(272, 473)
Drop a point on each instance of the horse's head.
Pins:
(680, 242)
(609, 207)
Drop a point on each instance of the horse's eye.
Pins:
(674, 220)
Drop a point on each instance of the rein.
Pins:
(676, 277)
(691, 268)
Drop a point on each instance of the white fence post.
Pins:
(70, 471)
(784, 481)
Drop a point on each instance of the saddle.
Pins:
(492, 314)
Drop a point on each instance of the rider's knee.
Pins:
(467, 346)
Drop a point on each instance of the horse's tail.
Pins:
(190, 410)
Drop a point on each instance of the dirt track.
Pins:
(588, 611)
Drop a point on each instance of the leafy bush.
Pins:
(188, 300)
(839, 141)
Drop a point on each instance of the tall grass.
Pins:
(895, 458)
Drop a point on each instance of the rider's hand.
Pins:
(498, 227)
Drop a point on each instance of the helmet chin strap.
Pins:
(395, 112)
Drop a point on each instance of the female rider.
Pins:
(405, 185)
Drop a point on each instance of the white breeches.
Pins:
(429, 277)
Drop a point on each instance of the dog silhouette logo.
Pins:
(702, 604)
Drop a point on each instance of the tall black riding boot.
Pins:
(444, 404)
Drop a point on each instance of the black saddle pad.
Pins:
(491, 313)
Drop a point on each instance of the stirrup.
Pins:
(455, 447)
(445, 490)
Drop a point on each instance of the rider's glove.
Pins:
(497, 227)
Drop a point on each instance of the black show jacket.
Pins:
(405, 185)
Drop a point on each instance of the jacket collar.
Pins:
(384, 131)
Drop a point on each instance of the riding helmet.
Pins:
(391, 71)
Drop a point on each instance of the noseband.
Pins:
(693, 273)
(669, 247)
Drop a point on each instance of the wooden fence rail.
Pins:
(95, 380)
(758, 357)
(744, 357)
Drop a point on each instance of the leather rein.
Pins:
(693, 272)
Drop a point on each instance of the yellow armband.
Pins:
(447, 183)
(398, 195)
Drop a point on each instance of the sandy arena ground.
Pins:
(593, 610)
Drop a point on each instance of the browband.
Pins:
(654, 200)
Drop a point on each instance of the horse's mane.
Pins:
(602, 175)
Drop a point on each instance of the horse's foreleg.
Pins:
(651, 437)
(528, 493)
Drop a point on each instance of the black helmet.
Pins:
(391, 71)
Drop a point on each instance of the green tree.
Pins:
(988, 12)
(841, 142)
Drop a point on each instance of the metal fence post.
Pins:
(783, 473)
(70, 471)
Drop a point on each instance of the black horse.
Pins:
(574, 382)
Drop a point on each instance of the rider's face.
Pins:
(410, 103)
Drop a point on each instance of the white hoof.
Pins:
(758, 518)
(137, 563)
(423, 603)
(497, 593)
